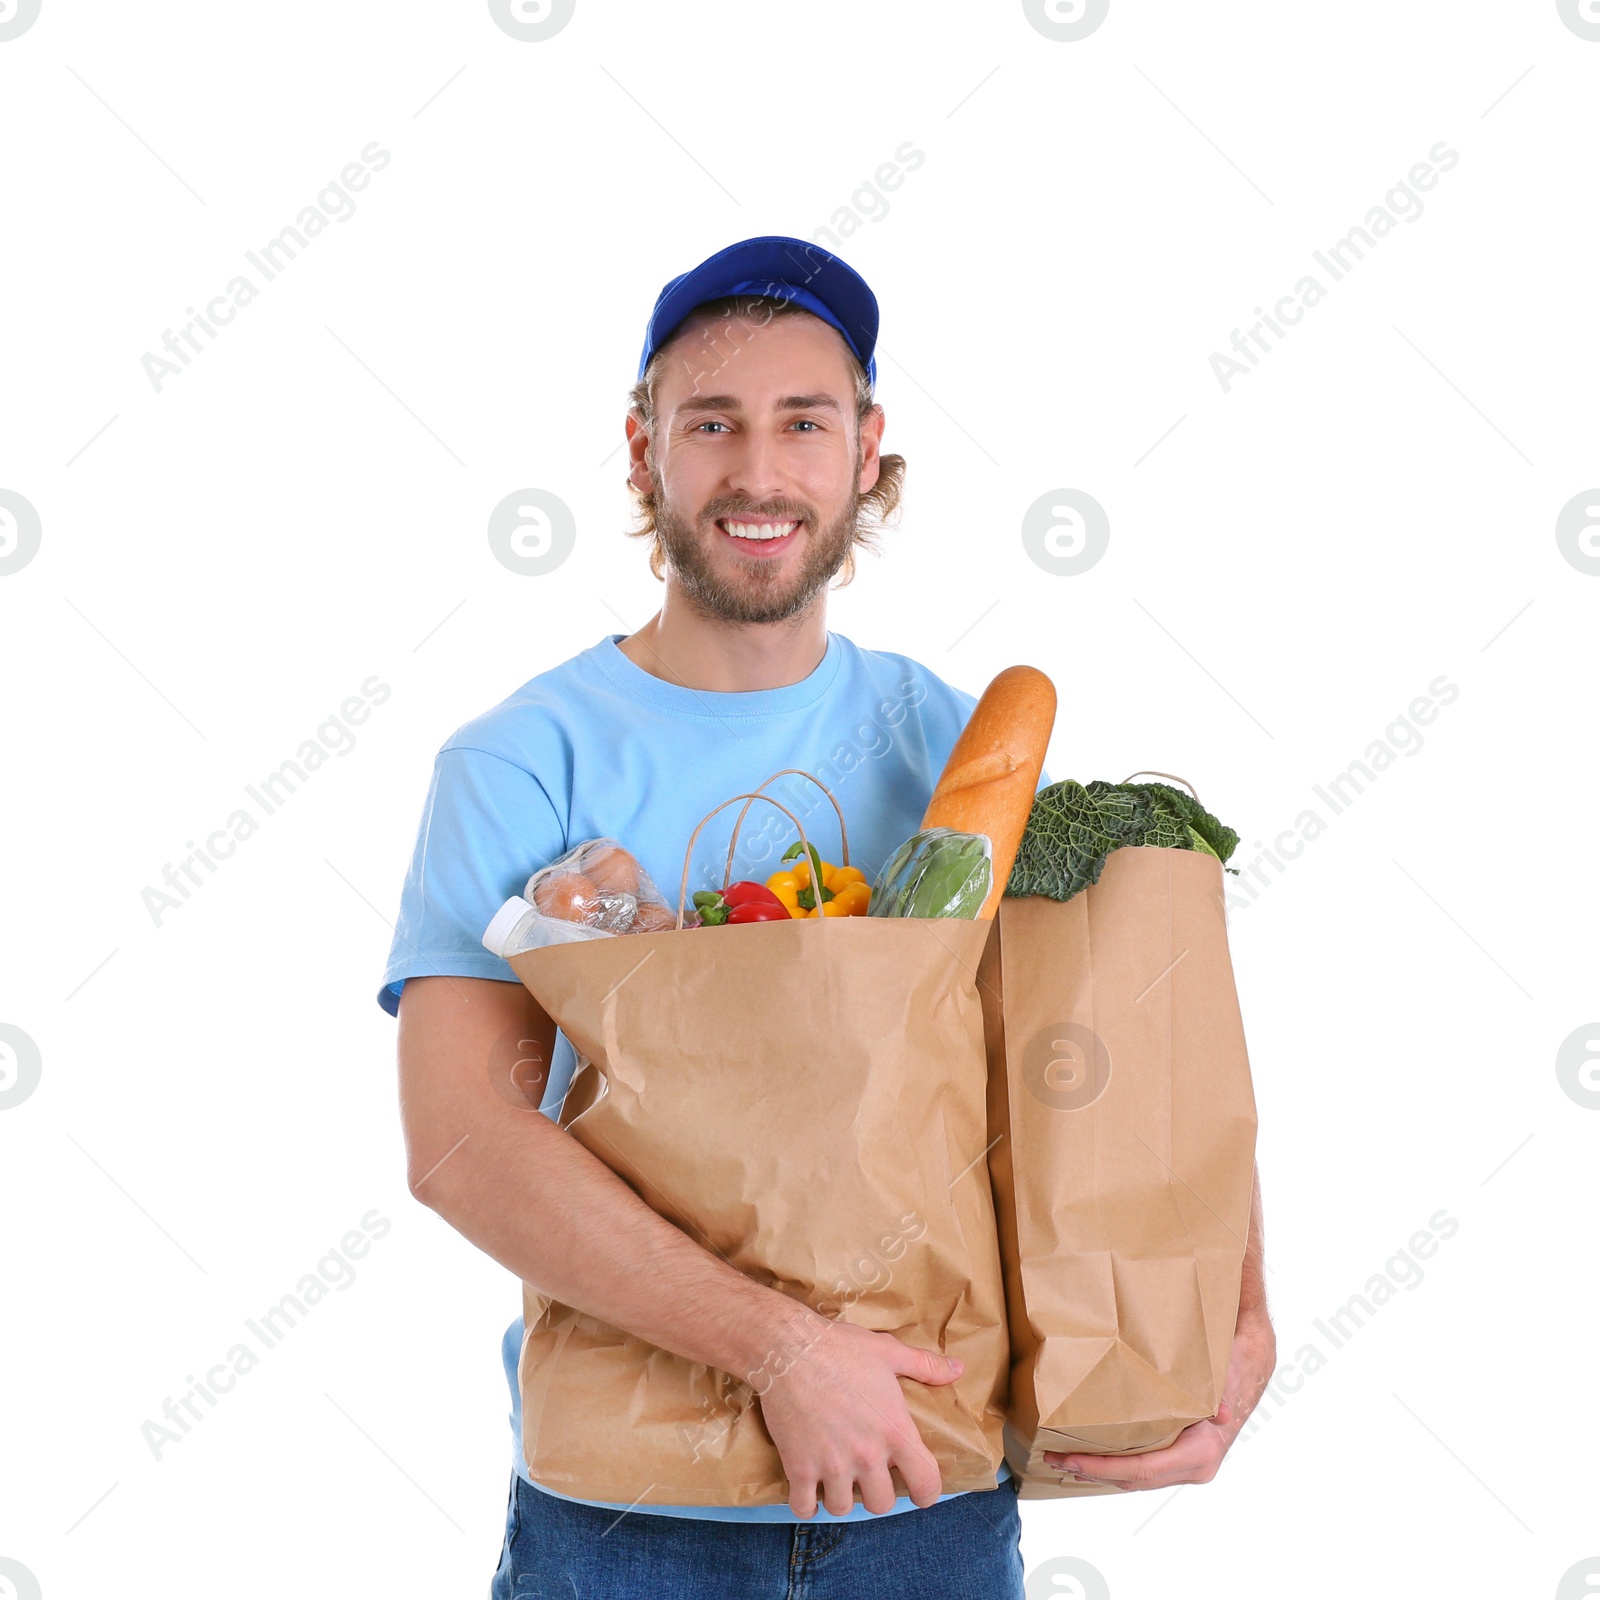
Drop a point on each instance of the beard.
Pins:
(758, 591)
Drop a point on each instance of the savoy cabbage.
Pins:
(1073, 827)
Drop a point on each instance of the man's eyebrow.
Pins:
(807, 402)
(787, 402)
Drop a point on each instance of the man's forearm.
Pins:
(528, 1194)
(1252, 1285)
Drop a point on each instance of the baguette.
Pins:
(988, 783)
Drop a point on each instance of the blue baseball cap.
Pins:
(788, 269)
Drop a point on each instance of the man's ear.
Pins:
(638, 445)
(871, 439)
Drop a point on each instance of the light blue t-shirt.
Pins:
(597, 747)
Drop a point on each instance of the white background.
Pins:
(1291, 565)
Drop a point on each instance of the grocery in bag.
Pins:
(1123, 1122)
(838, 1159)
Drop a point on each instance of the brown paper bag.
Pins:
(1124, 1121)
(831, 1147)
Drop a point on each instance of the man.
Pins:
(754, 447)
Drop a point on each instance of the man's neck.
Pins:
(682, 647)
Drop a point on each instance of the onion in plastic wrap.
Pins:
(599, 885)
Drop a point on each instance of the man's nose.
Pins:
(757, 470)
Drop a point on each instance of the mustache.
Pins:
(772, 511)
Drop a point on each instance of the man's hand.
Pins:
(1197, 1452)
(835, 1409)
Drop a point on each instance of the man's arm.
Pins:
(529, 1195)
(522, 1189)
(1197, 1452)
(1252, 1287)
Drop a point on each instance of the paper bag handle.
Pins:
(1149, 773)
(844, 842)
(683, 882)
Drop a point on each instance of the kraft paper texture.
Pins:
(1123, 1125)
(808, 1099)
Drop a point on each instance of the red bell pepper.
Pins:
(760, 911)
(748, 892)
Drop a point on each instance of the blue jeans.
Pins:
(964, 1548)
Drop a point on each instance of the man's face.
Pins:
(758, 470)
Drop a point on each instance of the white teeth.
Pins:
(761, 530)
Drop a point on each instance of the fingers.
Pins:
(839, 1497)
(1160, 1469)
(920, 1471)
(1193, 1458)
(856, 1430)
(926, 1366)
(1123, 1469)
(877, 1492)
(803, 1498)
(839, 1492)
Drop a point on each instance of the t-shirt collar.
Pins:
(681, 700)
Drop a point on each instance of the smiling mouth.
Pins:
(752, 533)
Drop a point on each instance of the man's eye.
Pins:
(806, 422)
(709, 423)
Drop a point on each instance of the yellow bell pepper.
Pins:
(852, 898)
(846, 887)
(787, 888)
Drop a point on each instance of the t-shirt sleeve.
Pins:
(487, 824)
